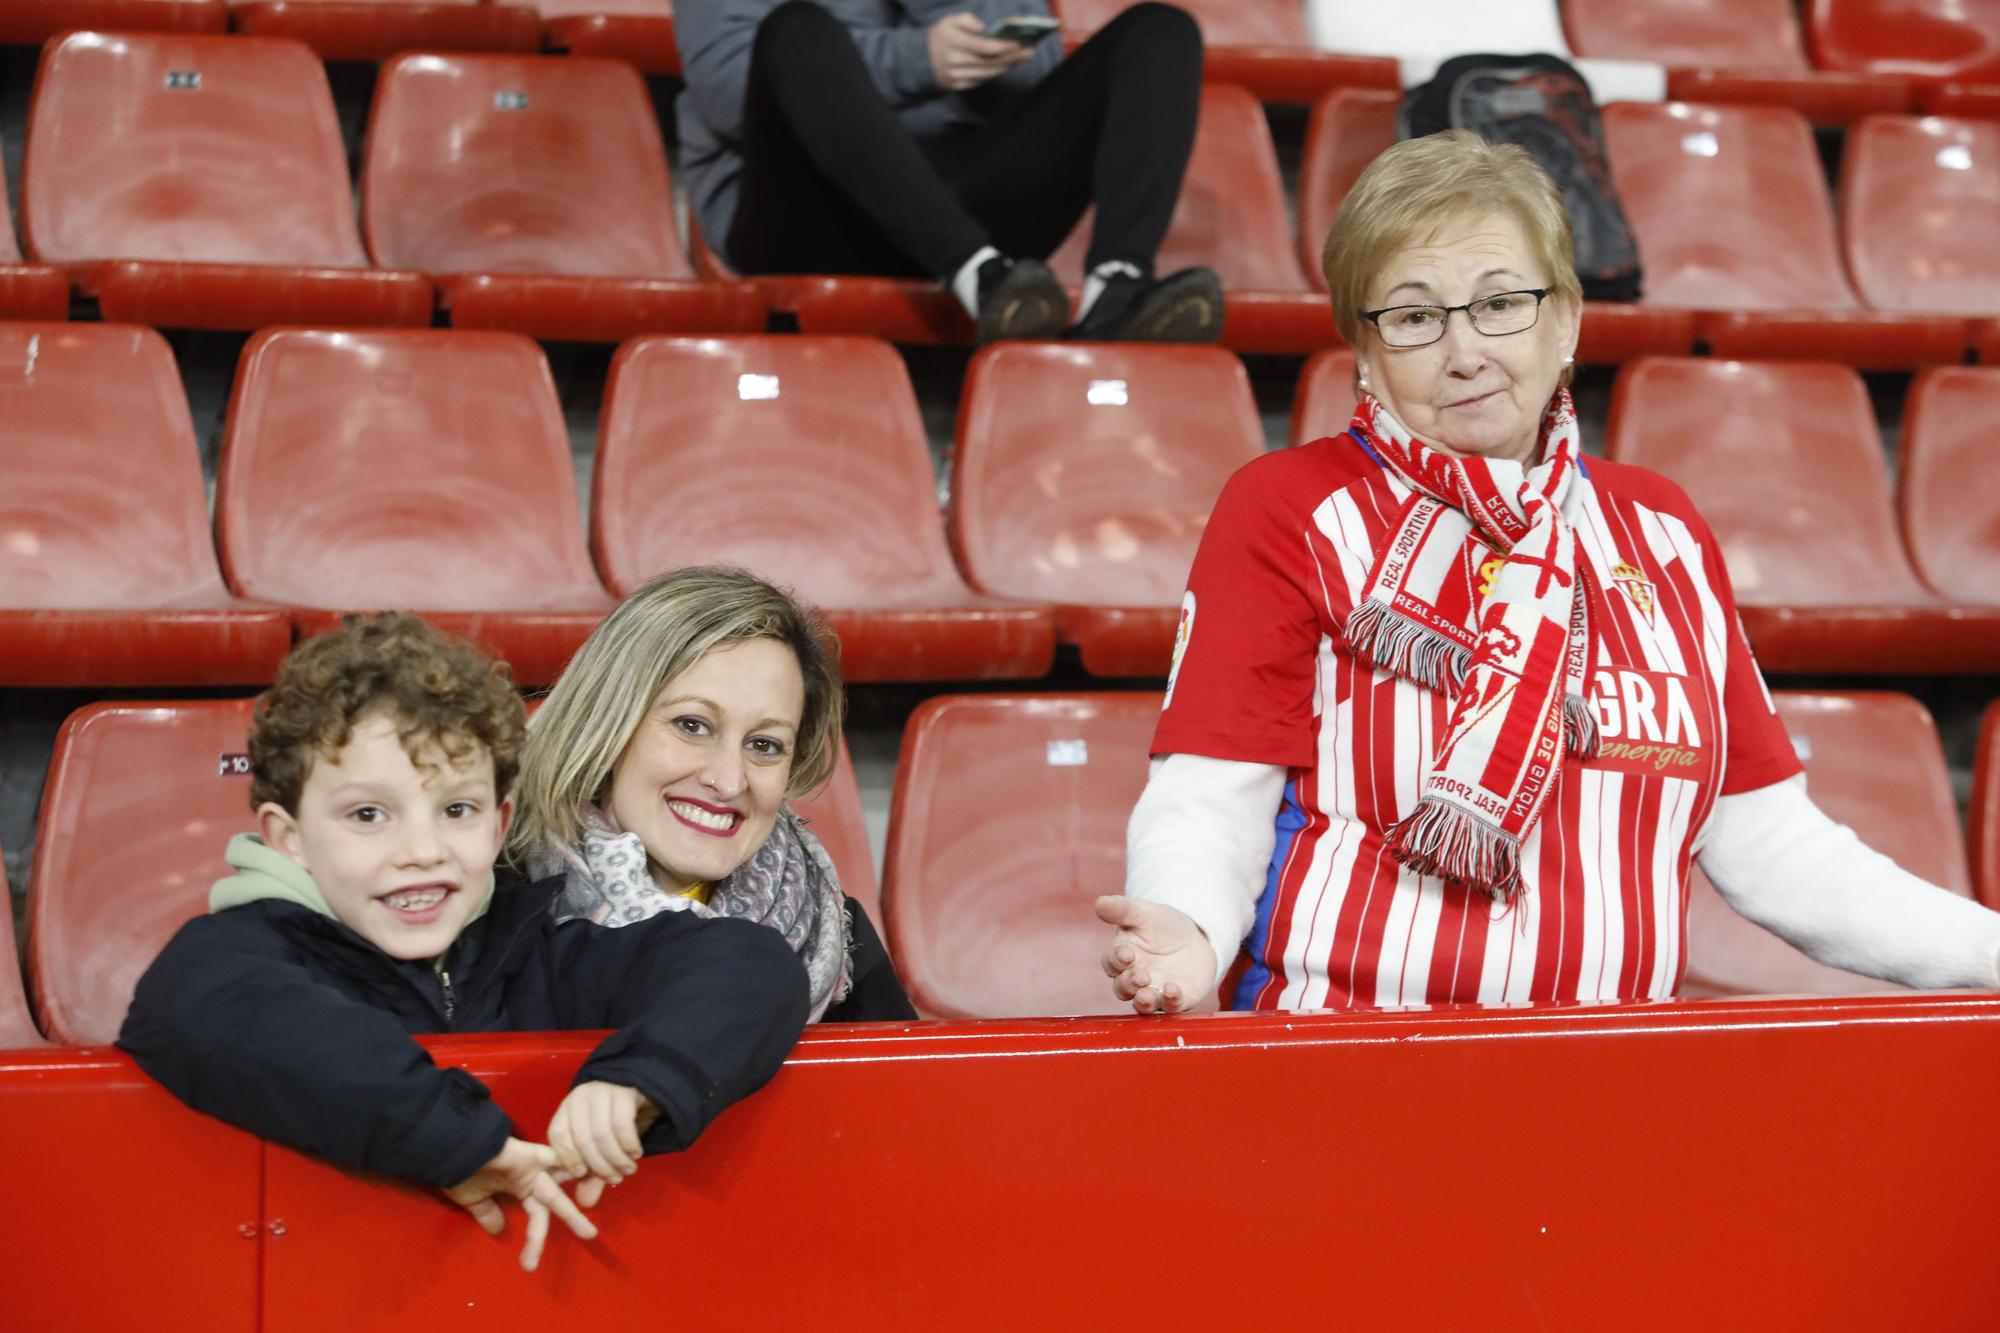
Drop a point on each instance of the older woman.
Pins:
(656, 775)
(1454, 709)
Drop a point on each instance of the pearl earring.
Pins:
(1569, 360)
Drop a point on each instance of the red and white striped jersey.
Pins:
(1262, 675)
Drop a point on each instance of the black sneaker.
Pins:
(1185, 307)
(1020, 298)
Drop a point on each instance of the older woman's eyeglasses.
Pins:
(1495, 316)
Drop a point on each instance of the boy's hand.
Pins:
(526, 1171)
(963, 56)
(596, 1131)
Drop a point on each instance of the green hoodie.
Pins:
(264, 873)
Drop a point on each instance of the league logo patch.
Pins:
(1181, 637)
(1636, 586)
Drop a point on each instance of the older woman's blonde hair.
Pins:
(1419, 185)
(653, 636)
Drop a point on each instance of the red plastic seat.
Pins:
(834, 813)
(1729, 51)
(17, 1025)
(1983, 816)
(1231, 217)
(1260, 45)
(536, 188)
(377, 29)
(1733, 219)
(107, 571)
(425, 470)
(1784, 461)
(1324, 401)
(32, 22)
(200, 182)
(1923, 39)
(804, 459)
(640, 32)
(1084, 475)
(28, 291)
(1345, 133)
(1920, 214)
(1008, 819)
(1949, 505)
(1874, 763)
(141, 802)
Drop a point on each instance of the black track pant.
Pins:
(832, 183)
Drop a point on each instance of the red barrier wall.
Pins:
(1717, 1164)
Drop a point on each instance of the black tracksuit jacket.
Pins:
(286, 1023)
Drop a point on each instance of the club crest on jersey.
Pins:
(1636, 586)
(1181, 637)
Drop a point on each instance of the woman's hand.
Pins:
(1159, 959)
(963, 56)
(596, 1132)
(524, 1170)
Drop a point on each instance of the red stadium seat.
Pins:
(32, 22)
(640, 32)
(1729, 51)
(17, 1025)
(1923, 39)
(28, 291)
(1231, 217)
(1784, 461)
(1008, 819)
(1324, 402)
(1084, 475)
(804, 459)
(1874, 763)
(1733, 219)
(1349, 128)
(1260, 45)
(107, 571)
(834, 813)
(424, 470)
(200, 182)
(1950, 507)
(376, 29)
(140, 803)
(1920, 214)
(1983, 818)
(535, 188)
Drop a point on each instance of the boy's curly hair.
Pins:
(437, 686)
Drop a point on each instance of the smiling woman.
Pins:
(656, 775)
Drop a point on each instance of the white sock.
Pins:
(965, 283)
(1094, 281)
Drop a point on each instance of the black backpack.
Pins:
(1541, 103)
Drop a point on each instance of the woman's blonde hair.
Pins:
(653, 636)
(1413, 188)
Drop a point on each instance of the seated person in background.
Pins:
(656, 774)
(381, 765)
(1454, 710)
(898, 137)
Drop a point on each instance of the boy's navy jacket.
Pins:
(285, 1022)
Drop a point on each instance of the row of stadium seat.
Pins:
(1008, 817)
(1872, 55)
(431, 469)
(201, 182)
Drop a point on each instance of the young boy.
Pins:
(381, 761)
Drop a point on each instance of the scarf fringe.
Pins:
(1403, 648)
(1440, 839)
(1580, 727)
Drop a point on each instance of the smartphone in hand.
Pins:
(1026, 29)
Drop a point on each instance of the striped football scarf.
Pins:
(1517, 679)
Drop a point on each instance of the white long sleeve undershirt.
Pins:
(1201, 837)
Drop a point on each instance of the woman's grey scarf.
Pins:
(788, 884)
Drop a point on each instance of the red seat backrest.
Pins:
(1728, 34)
(834, 813)
(17, 1025)
(1325, 400)
(518, 164)
(803, 458)
(1223, 22)
(1920, 213)
(174, 147)
(1729, 205)
(1874, 763)
(1008, 820)
(1983, 817)
(1231, 212)
(1950, 506)
(425, 469)
(141, 801)
(1085, 474)
(102, 505)
(1931, 39)
(1348, 129)
(10, 251)
(1784, 461)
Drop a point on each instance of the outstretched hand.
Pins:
(963, 56)
(596, 1133)
(1159, 959)
(528, 1172)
